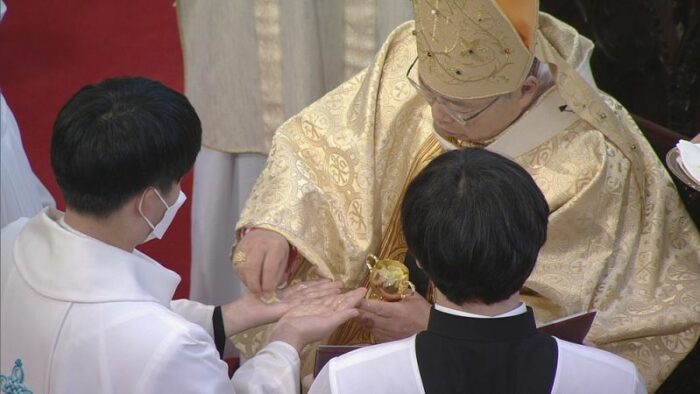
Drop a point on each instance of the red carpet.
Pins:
(50, 48)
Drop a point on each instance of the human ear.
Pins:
(528, 91)
(147, 203)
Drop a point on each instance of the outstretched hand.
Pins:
(250, 311)
(312, 321)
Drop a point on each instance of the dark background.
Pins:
(647, 55)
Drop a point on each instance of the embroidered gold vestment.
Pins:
(619, 239)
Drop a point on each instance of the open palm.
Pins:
(312, 321)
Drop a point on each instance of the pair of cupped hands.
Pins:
(305, 312)
(309, 311)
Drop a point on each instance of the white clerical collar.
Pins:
(71, 229)
(62, 263)
(520, 309)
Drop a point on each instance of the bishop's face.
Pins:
(477, 119)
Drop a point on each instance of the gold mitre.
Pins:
(471, 49)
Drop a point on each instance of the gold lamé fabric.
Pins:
(622, 245)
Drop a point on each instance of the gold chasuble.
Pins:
(619, 239)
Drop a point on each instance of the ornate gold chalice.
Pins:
(388, 280)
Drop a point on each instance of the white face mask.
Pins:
(161, 227)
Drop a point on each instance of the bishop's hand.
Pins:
(389, 321)
(260, 258)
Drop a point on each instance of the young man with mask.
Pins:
(84, 311)
(499, 75)
(478, 248)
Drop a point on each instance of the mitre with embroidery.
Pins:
(470, 49)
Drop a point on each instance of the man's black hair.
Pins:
(116, 138)
(475, 221)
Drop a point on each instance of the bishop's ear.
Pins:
(528, 91)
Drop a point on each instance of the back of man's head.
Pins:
(114, 139)
(475, 221)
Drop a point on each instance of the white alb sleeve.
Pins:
(275, 369)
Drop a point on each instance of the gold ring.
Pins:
(239, 257)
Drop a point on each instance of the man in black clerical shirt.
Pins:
(475, 222)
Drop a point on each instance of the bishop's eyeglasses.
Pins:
(461, 117)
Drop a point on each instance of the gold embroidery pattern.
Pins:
(393, 245)
(624, 247)
(481, 53)
(468, 47)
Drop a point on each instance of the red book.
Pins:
(572, 328)
(326, 352)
